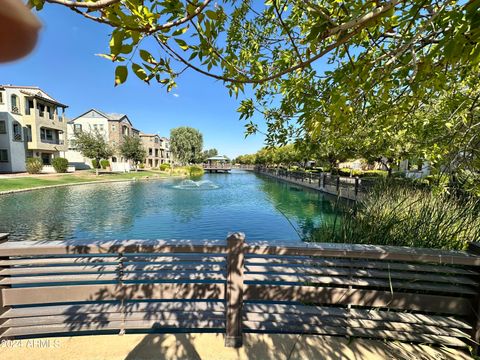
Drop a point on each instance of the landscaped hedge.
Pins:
(95, 164)
(195, 170)
(34, 165)
(375, 173)
(360, 173)
(60, 164)
(164, 167)
(104, 164)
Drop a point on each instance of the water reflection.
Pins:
(262, 208)
(305, 209)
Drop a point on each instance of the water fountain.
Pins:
(196, 185)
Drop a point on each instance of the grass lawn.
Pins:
(34, 181)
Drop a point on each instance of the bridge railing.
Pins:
(233, 287)
(348, 187)
(217, 166)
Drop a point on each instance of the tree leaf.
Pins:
(121, 74)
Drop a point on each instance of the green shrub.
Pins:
(164, 167)
(34, 165)
(141, 166)
(375, 173)
(104, 164)
(399, 175)
(344, 171)
(195, 170)
(95, 164)
(347, 172)
(60, 164)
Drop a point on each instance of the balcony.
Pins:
(54, 142)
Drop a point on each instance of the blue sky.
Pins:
(65, 66)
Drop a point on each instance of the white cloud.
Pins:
(176, 95)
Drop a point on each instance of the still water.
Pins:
(262, 208)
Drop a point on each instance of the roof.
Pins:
(218, 157)
(108, 116)
(34, 91)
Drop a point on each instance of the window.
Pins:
(3, 127)
(15, 104)
(3, 155)
(95, 127)
(77, 128)
(29, 133)
(100, 127)
(27, 106)
(46, 159)
(41, 109)
(1, 97)
(150, 151)
(46, 134)
(113, 127)
(17, 131)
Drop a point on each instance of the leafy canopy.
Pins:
(92, 145)
(328, 72)
(131, 148)
(186, 144)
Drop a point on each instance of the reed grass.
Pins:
(405, 215)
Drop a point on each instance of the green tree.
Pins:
(92, 145)
(132, 149)
(317, 71)
(207, 154)
(186, 144)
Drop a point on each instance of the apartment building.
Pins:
(113, 126)
(157, 149)
(32, 124)
(151, 143)
(166, 153)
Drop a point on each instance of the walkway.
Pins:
(210, 347)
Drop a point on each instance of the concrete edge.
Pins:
(6, 192)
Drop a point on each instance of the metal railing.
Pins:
(217, 166)
(347, 187)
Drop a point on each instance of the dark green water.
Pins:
(262, 208)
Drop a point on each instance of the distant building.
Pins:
(113, 126)
(151, 143)
(32, 124)
(157, 149)
(166, 153)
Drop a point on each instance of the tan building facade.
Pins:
(151, 144)
(113, 126)
(32, 124)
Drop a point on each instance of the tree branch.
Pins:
(86, 4)
(147, 30)
(287, 31)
